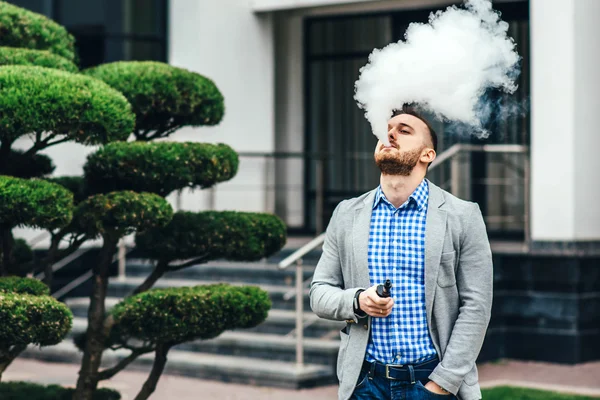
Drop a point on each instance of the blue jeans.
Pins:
(381, 388)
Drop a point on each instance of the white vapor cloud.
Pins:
(445, 66)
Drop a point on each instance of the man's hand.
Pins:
(435, 388)
(374, 305)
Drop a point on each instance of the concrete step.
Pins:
(222, 271)
(254, 345)
(279, 322)
(205, 366)
(117, 288)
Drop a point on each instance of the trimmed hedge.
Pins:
(37, 99)
(31, 319)
(75, 184)
(34, 287)
(177, 315)
(159, 167)
(121, 213)
(22, 28)
(34, 203)
(34, 166)
(41, 58)
(163, 96)
(34, 391)
(217, 234)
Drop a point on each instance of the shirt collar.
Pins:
(420, 196)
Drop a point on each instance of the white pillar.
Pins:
(565, 120)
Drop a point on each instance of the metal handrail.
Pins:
(302, 251)
(297, 256)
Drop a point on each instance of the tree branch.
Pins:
(158, 271)
(195, 261)
(160, 360)
(6, 358)
(121, 365)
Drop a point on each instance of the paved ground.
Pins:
(582, 379)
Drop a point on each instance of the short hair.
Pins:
(412, 110)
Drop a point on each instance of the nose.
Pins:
(391, 135)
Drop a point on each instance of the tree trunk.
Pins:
(7, 356)
(94, 345)
(6, 246)
(160, 360)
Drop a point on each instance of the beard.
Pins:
(401, 163)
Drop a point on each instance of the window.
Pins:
(109, 30)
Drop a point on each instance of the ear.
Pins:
(428, 155)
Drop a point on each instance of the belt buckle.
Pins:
(387, 371)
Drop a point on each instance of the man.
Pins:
(422, 342)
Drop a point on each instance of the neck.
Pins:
(398, 188)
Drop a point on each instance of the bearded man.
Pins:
(423, 341)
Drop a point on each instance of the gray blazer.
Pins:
(458, 287)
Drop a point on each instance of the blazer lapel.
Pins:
(360, 240)
(435, 230)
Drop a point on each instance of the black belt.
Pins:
(409, 373)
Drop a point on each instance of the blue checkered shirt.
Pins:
(397, 252)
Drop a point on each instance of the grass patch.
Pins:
(511, 393)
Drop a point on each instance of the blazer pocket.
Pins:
(446, 273)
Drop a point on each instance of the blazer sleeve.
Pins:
(329, 298)
(474, 279)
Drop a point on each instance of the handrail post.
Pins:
(299, 315)
(122, 263)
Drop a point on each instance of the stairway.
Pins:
(264, 355)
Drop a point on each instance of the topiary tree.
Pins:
(29, 315)
(42, 98)
(124, 187)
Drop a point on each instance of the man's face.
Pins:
(409, 137)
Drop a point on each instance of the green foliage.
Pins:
(164, 98)
(121, 213)
(38, 100)
(21, 166)
(20, 264)
(30, 319)
(159, 167)
(75, 184)
(506, 393)
(23, 28)
(34, 203)
(42, 58)
(34, 391)
(34, 287)
(214, 234)
(177, 315)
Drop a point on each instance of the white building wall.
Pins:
(225, 41)
(565, 170)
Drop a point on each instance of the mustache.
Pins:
(392, 144)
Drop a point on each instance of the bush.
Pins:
(74, 184)
(34, 166)
(23, 28)
(34, 287)
(163, 97)
(215, 234)
(34, 203)
(34, 391)
(30, 319)
(121, 212)
(159, 167)
(177, 315)
(42, 58)
(37, 99)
